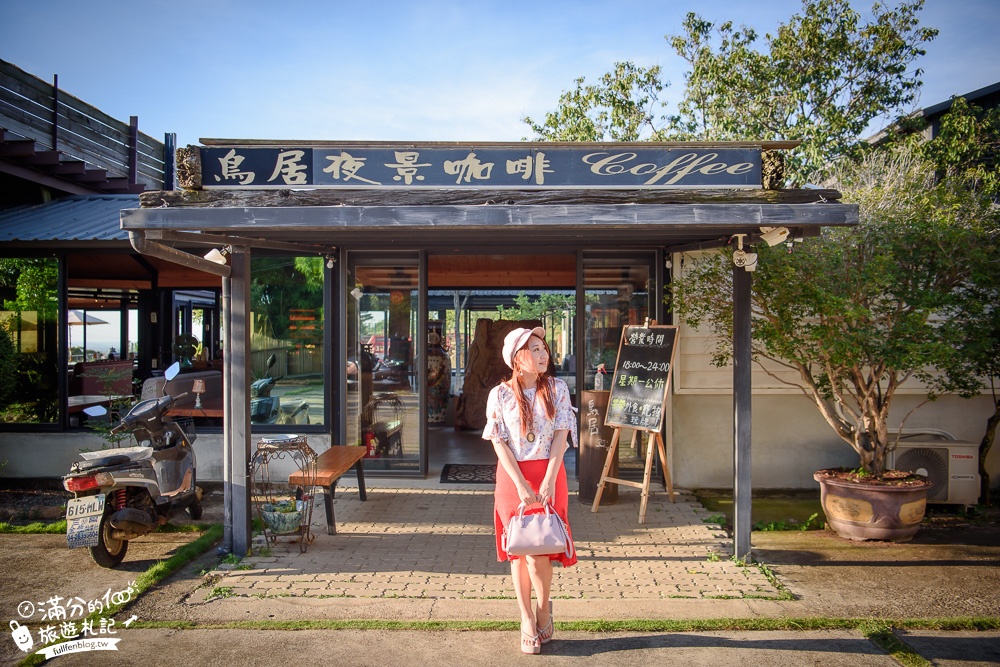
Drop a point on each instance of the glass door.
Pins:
(382, 335)
(617, 291)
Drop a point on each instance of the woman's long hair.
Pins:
(545, 391)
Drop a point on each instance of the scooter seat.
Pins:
(113, 460)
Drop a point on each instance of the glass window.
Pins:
(29, 348)
(286, 340)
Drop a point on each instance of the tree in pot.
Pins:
(850, 316)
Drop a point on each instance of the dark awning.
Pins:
(518, 221)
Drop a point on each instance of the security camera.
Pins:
(772, 236)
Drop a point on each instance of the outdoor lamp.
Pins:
(218, 255)
(742, 258)
(772, 236)
(198, 388)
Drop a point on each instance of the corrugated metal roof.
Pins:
(76, 218)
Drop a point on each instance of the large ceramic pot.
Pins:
(860, 510)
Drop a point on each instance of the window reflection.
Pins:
(617, 294)
(286, 341)
(383, 401)
(29, 340)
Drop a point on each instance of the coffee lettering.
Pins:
(681, 167)
(643, 169)
(613, 164)
(714, 168)
(609, 165)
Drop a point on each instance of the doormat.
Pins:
(468, 473)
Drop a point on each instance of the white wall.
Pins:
(791, 440)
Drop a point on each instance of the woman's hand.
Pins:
(527, 494)
(547, 491)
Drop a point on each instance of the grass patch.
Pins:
(155, 574)
(36, 528)
(812, 523)
(231, 559)
(769, 513)
(59, 527)
(864, 625)
(881, 634)
(783, 592)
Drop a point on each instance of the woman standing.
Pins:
(528, 420)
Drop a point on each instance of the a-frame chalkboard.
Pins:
(642, 377)
(638, 398)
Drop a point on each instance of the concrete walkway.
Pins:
(425, 553)
(439, 544)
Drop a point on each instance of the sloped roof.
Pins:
(75, 218)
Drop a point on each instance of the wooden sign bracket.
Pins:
(638, 399)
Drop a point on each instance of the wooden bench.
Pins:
(330, 467)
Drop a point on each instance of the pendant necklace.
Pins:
(530, 437)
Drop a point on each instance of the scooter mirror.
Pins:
(95, 411)
(172, 371)
(271, 361)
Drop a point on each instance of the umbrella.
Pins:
(75, 317)
(81, 318)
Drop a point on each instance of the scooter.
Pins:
(267, 409)
(124, 494)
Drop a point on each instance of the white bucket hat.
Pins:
(517, 339)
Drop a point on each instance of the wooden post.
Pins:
(133, 150)
(55, 114)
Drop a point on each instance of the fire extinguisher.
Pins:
(371, 445)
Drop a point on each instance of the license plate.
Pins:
(83, 520)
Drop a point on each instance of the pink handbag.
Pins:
(536, 534)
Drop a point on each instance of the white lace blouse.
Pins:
(504, 421)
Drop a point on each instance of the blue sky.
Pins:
(443, 70)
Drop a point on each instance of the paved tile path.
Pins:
(438, 543)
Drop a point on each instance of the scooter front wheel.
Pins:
(195, 509)
(109, 552)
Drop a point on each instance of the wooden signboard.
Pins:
(517, 166)
(638, 398)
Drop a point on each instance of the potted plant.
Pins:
(282, 516)
(850, 316)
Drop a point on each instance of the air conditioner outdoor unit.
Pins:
(953, 466)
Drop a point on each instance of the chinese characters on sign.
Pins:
(528, 166)
(642, 377)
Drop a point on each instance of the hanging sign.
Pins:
(530, 166)
(642, 377)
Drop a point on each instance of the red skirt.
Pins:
(506, 502)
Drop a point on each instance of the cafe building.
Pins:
(390, 273)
